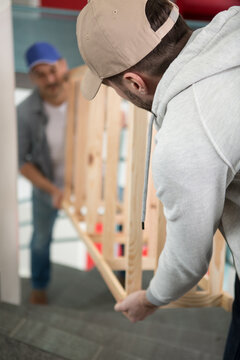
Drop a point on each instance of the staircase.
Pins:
(80, 324)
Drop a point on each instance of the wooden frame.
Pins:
(91, 197)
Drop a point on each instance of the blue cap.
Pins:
(41, 52)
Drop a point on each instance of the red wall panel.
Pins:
(64, 4)
(204, 9)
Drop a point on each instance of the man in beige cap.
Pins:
(190, 81)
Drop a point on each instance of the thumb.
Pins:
(120, 306)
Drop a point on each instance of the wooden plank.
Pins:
(227, 301)
(77, 73)
(94, 158)
(216, 269)
(119, 238)
(107, 274)
(204, 283)
(196, 299)
(128, 168)
(155, 224)
(161, 231)
(151, 225)
(120, 263)
(69, 144)
(110, 187)
(80, 159)
(137, 138)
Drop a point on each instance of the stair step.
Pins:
(101, 327)
(12, 349)
(122, 334)
(112, 354)
(74, 347)
(55, 341)
(10, 317)
(81, 316)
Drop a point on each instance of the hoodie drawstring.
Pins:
(147, 163)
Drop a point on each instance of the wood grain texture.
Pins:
(137, 138)
(113, 129)
(80, 156)
(216, 270)
(69, 143)
(94, 157)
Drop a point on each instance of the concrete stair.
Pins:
(80, 324)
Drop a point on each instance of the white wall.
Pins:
(9, 280)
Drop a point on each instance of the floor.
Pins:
(81, 324)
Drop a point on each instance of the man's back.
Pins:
(197, 154)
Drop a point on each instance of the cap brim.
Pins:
(90, 84)
(42, 61)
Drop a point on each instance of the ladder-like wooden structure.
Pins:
(92, 202)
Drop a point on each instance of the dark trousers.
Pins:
(232, 349)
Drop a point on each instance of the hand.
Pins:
(57, 198)
(135, 306)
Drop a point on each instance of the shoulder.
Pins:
(30, 105)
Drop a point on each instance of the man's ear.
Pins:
(135, 83)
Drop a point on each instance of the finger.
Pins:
(130, 317)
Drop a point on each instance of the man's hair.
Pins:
(159, 59)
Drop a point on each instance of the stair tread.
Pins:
(132, 337)
(81, 316)
(74, 347)
(55, 341)
(102, 328)
(10, 317)
(12, 349)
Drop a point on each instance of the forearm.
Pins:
(30, 171)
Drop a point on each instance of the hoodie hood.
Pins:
(200, 58)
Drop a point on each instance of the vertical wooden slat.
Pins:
(110, 187)
(161, 232)
(69, 145)
(216, 270)
(128, 170)
(80, 161)
(94, 158)
(151, 221)
(137, 138)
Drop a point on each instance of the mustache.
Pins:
(64, 79)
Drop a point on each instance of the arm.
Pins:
(191, 180)
(35, 176)
(26, 167)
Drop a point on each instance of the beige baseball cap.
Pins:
(114, 35)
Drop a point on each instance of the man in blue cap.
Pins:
(41, 133)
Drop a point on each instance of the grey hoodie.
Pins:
(196, 159)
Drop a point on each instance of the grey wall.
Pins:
(54, 26)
